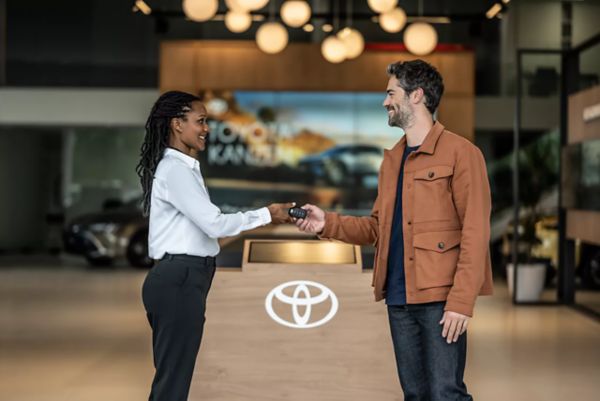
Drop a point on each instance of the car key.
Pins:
(297, 212)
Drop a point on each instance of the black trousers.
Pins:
(174, 295)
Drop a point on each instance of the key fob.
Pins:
(297, 212)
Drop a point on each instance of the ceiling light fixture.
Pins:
(351, 38)
(493, 11)
(295, 13)
(238, 21)
(308, 28)
(420, 38)
(252, 5)
(381, 6)
(272, 37)
(333, 48)
(200, 10)
(140, 5)
(393, 21)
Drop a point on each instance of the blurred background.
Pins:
(294, 92)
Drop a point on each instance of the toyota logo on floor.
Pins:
(302, 303)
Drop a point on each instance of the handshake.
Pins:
(307, 218)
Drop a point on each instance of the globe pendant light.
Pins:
(200, 10)
(381, 6)
(420, 38)
(393, 21)
(252, 5)
(234, 5)
(295, 13)
(353, 41)
(238, 21)
(271, 37)
(333, 50)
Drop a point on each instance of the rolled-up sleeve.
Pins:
(186, 194)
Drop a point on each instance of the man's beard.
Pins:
(401, 118)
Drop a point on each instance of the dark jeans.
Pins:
(429, 368)
(174, 295)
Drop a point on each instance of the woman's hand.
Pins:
(279, 212)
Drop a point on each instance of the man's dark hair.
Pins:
(415, 74)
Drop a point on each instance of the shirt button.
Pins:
(409, 222)
(431, 174)
(441, 245)
(410, 258)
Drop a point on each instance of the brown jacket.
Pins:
(446, 215)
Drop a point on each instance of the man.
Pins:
(430, 224)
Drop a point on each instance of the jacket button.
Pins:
(441, 245)
(431, 174)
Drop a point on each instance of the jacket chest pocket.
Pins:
(432, 199)
(436, 258)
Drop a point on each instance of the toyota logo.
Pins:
(301, 297)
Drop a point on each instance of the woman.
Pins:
(184, 228)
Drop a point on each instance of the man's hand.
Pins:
(455, 324)
(279, 212)
(314, 221)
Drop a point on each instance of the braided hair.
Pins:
(170, 105)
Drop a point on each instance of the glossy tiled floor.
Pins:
(70, 334)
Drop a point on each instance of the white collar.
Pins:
(189, 160)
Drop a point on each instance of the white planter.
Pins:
(530, 281)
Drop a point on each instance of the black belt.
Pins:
(201, 260)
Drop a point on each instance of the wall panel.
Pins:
(239, 65)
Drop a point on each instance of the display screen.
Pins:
(323, 148)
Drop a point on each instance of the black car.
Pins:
(116, 232)
(345, 165)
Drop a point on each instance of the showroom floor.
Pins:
(68, 333)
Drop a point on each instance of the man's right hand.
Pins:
(314, 221)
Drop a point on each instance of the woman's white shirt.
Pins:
(182, 217)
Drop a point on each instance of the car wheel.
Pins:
(137, 251)
(591, 271)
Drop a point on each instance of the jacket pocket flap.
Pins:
(438, 241)
(433, 173)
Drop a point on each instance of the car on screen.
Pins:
(345, 165)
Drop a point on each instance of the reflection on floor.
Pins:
(72, 334)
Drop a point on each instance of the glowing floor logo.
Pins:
(301, 297)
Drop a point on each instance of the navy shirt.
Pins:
(395, 283)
